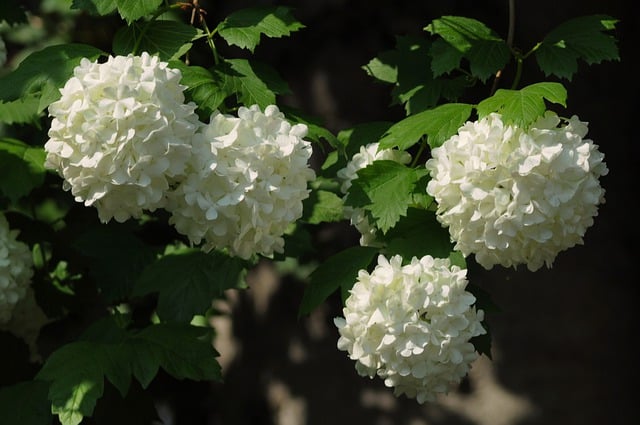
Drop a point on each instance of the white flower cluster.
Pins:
(411, 325)
(366, 156)
(246, 182)
(121, 134)
(3, 53)
(125, 142)
(513, 196)
(16, 269)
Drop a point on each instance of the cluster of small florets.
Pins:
(517, 196)
(121, 134)
(365, 157)
(123, 139)
(16, 269)
(411, 325)
(246, 183)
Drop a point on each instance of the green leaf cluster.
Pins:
(76, 372)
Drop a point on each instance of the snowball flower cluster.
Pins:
(246, 182)
(366, 156)
(411, 325)
(16, 270)
(514, 196)
(121, 134)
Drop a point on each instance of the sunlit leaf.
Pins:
(245, 27)
(523, 107)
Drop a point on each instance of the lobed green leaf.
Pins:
(21, 168)
(187, 281)
(76, 375)
(76, 371)
(41, 73)
(408, 68)
(385, 188)
(438, 124)
(523, 107)
(418, 234)
(581, 38)
(167, 39)
(244, 28)
(479, 44)
(322, 207)
(253, 82)
(133, 10)
(338, 271)
(111, 244)
(206, 89)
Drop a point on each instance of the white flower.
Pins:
(366, 156)
(3, 53)
(16, 269)
(121, 134)
(512, 196)
(246, 182)
(411, 325)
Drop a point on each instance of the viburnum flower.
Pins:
(517, 196)
(121, 134)
(366, 156)
(247, 180)
(16, 269)
(411, 325)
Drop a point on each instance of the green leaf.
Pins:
(385, 72)
(384, 188)
(338, 271)
(21, 168)
(317, 131)
(245, 27)
(579, 38)
(252, 82)
(25, 403)
(167, 39)
(132, 10)
(408, 68)
(182, 350)
(438, 124)
(21, 111)
(322, 207)
(187, 282)
(42, 72)
(445, 57)
(76, 371)
(207, 90)
(106, 245)
(361, 135)
(95, 7)
(418, 234)
(485, 50)
(76, 375)
(523, 107)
